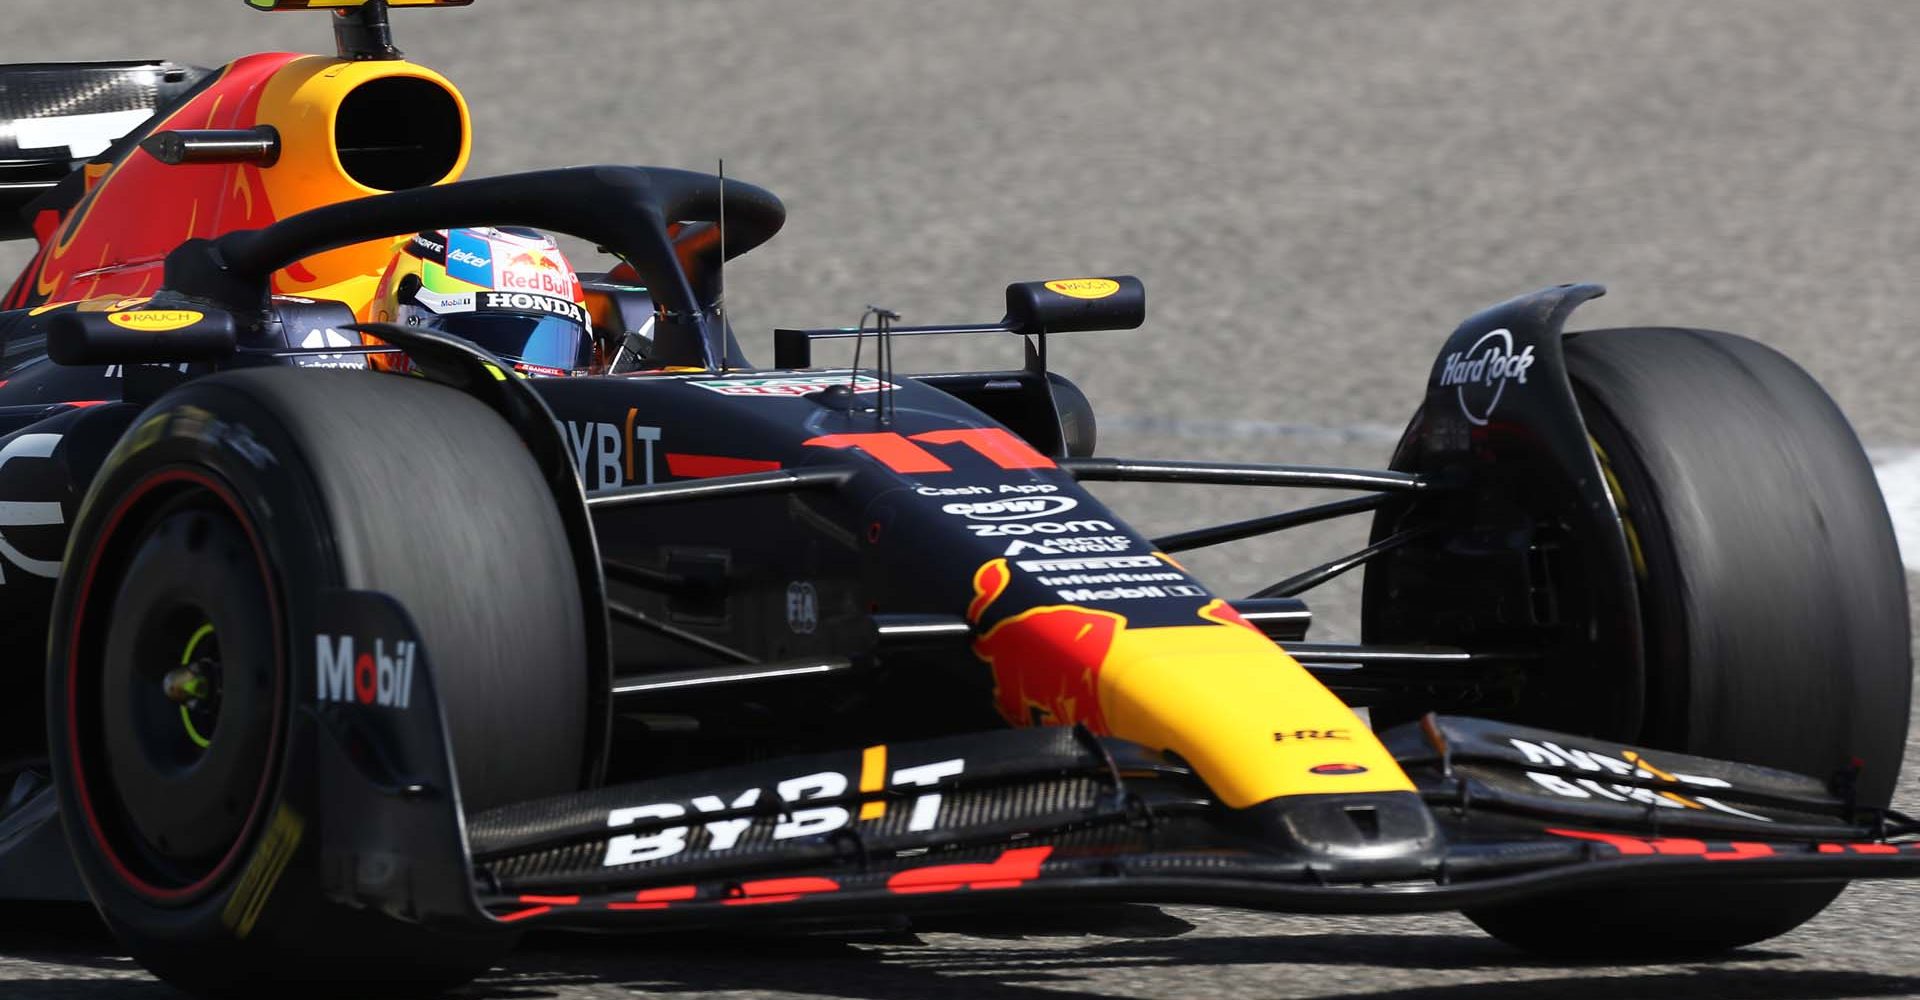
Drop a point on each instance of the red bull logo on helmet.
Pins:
(506, 261)
(533, 259)
(536, 271)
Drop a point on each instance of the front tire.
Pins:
(1774, 606)
(192, 578)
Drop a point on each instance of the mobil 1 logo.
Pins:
(366, 654)
(353, 670)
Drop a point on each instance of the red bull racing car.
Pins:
(351, 672)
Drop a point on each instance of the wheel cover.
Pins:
(169, 816)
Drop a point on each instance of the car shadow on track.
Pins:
(1034, 959)
(901, 967)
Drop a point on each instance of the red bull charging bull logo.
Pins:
(1211, 688)
(1046, 665)
(1046, 661)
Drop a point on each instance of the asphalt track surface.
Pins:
(1315, 195)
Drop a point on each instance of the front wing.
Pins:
(1032, 817)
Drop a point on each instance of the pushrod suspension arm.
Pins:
(1220, 534)
(1131, 470)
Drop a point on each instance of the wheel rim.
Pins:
(175, 708)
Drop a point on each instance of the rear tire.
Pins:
(235, 500)
(1774, 605)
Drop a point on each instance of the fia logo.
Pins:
(803, 608)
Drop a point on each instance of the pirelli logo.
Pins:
(263, 873)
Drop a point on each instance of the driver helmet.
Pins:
(509, 290)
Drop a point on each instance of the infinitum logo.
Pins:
(380, 676)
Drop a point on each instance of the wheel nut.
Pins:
(185, 684)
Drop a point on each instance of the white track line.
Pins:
(1898, 469)
(1899, 472)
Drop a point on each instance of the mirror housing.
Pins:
(1073, 304)
(347, 4)
(144, 335)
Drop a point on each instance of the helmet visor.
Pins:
(543, 342)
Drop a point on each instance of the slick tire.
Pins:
(1774, 605)
(174, 711)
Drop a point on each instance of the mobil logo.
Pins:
(1012, 508)
(353, 671)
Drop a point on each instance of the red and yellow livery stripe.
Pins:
(1214, 692)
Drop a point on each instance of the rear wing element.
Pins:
(54, 117)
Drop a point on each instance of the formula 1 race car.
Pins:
(351, 675)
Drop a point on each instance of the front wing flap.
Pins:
(1043, 815)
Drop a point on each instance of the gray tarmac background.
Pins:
(1315, 193)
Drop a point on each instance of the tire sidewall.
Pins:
(211, 939)
(1742, 487)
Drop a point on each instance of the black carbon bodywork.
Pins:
(1523, 478)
